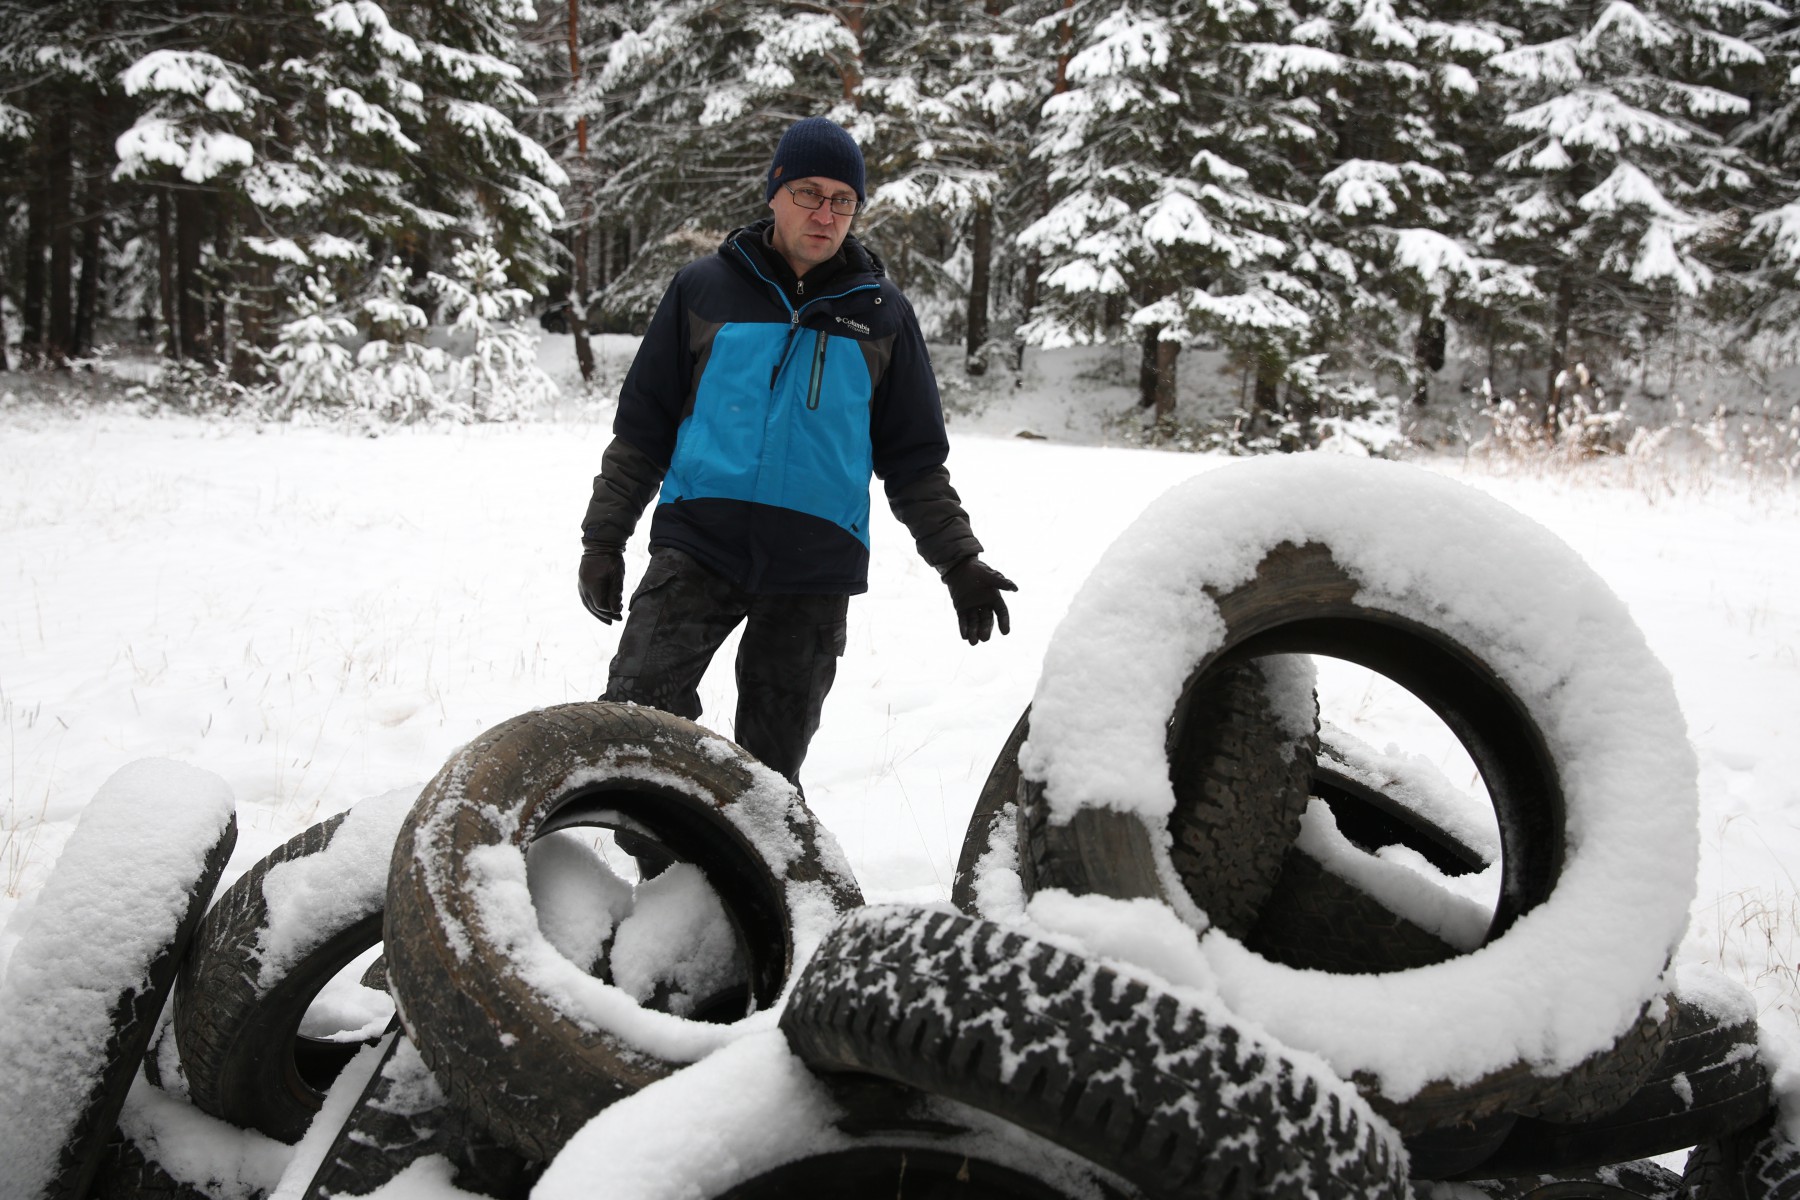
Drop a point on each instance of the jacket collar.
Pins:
(854, 263)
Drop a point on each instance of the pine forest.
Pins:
(310, 206)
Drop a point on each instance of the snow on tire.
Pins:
(1179, 1100)
(96, 962)
(519, 1036)
(1518, 646)
(756, 1123)
(277, 936)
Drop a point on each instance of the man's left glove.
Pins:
(603, 581)
(975, 590)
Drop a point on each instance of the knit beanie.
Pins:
(815, 147)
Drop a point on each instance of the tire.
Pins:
(1239, 774)
(1310, 563)
(401, 1117)
(1315, 920)
(1754, 1163)
(518, 1037)
(240, 1000)
(894, 1141)
(1618, 1181)
(1371, 819)
(1708, 1084)
(996, 805)
(91, 972)
(1178, 1101)
(127, 1173)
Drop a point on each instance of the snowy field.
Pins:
(319, 619)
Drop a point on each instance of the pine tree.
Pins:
(312, 364)
(1769, 308)
(498, 379)
(1616, 189)
(399, 378)
(1175, 213)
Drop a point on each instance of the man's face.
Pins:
(807, 237)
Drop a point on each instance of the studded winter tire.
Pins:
(1181, 1102)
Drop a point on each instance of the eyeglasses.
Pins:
(812, 198)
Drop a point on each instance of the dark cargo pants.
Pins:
(682, 612)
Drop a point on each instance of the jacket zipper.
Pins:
(794, 323)
(818, 372)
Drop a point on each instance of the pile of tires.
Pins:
(1198, 945)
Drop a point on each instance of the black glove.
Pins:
(975, 590)
(603, 581)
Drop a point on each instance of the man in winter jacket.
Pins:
(776, 377)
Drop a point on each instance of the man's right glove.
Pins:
(603, 581)
(975, 590)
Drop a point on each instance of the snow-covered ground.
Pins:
(319, 618)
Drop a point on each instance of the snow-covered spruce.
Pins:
(1181, 1100)
(526, 1041)
(832, 1136)
(1517, 644)
(89, 976)
(401, 1119)
(1241, 749)
(274, 940)
(1708, 1084)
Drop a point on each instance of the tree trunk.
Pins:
(165, 276)
(190, 308)
(851, 14)
(31, 314)
(59, 218)
(1266, 416)
(1156, 374)
(94, 197)
(981, 249)
(1428, 355)
(1559, 349)
(578, 301)
(1148, 365)
(1164, 396)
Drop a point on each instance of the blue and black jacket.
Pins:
(762, 405)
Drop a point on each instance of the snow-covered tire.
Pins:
(90, 974)
(1529, 659)
(258, 965)
(520, 1037)
(1241, 744)
(1707, 1084)
(1754, 1163)
(1179, 1101)
(403, 1116)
